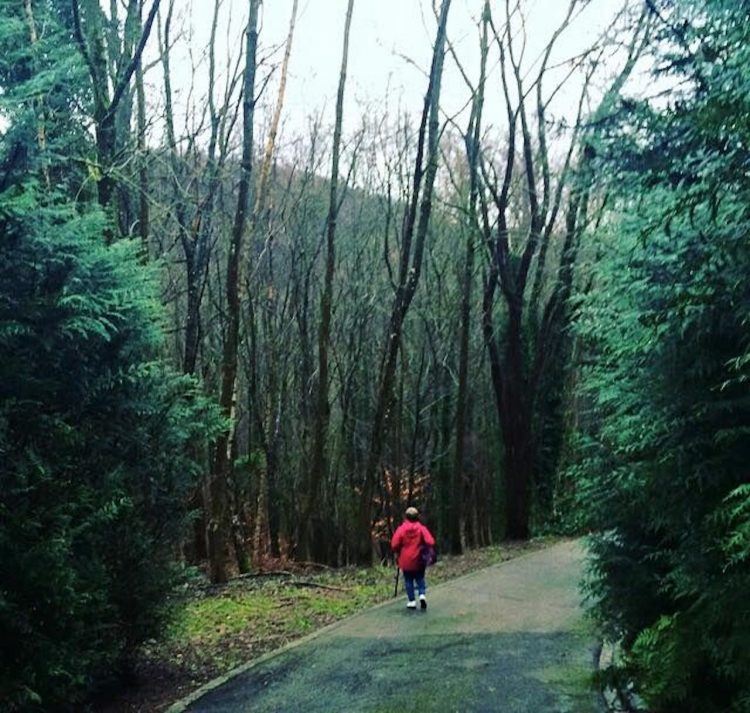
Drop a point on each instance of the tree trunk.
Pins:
(409, 272)
(143, 187)
(41, 129)
(219, 526)
(265, 402)
(515, 416)
(311, 518)
(91, 44)
(472, 139)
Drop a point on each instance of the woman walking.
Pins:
(407, 542)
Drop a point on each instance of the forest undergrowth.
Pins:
(217, 628)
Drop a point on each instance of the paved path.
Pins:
(506, 639)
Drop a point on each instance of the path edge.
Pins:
(181, 705)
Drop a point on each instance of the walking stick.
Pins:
(395, 590)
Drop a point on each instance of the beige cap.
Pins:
(412, 513)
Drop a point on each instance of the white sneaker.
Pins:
(411, 605)
(423, 601)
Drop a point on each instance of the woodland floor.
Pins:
(217, 628)
(510, 638)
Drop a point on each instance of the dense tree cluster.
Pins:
(667, 348)
(521, 320)
(94, 424)
(93, 434)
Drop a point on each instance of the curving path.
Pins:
(506, 639)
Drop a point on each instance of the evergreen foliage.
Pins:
(42, 85)
(94, 471)
(667, 444)
(93, 468)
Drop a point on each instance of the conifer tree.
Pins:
(93, 424)
(666, 340)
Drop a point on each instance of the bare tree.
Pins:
(472, 142)
(189, 190)
(413, 238)
(219, 526)
(262, 307)
(520, 338)
(112, 62)
(319, 464)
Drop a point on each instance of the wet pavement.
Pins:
(506, 639)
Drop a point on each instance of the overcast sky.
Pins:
(390, 49)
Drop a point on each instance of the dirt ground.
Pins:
(506, 639)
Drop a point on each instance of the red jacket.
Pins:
(407, 541)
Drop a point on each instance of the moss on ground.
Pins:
(215, 629)
(575, 676)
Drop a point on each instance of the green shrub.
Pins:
(665, 328)
(93, 466)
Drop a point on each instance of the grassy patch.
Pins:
(205, 621)
(215, 629)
